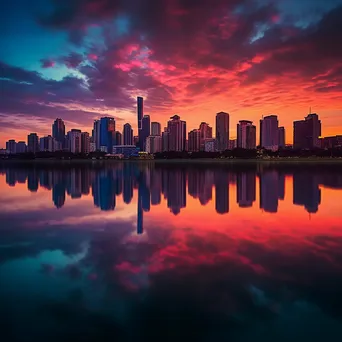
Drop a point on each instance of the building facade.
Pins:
(154, 144)
(11, 146)
(140, 113)
(32, 143)
(269, 135)
(85, 142)
(58, 131)
(246, 135)
(177, 134)
(194, 140)
(222, 131)
(47, 144)
(155, 128)
(145, 131)
(307, 132)
(281, 137)
(127, 134)
(74, 138)
(107, 133)
(206, 132)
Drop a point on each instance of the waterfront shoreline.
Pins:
(223, 161)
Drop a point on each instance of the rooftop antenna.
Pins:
(310, 110)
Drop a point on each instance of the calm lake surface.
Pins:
(144, 252)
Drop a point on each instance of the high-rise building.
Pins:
(155, 128)
(11, 146)
(154, 144)
(74, 138)
(206, 132)
(140, 113)
(222, 131)
(47, 144)
(107, 134)
(96, 134)
(194, 140)
(232, 144)
(85, 142)
(32, 143)
(58, 131)
(246, 135)
(118, 138)
(210, 145)
(145, 131)
(165, 140)
(136, 140)
(177, 134)
(306, 132)
(21, 147)
(281, 137)
(269, 135)
(127, 134)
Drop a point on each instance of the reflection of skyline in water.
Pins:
(209, 263)
(174, 184)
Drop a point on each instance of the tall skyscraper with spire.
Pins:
(140, 113)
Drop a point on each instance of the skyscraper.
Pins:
(118, 138)
(85, 142)
(47, 144)
(32, 143)
(177, 134)
(140, 113)
(96, 134)
(206, 132)
(74, 138)
(21, 147)
(58, 131)
(194, 139)
(107, 133)
(222, 131)
(165, 140)
(246, 134)
(145, 131)
(306, 132)
(155, 128)
(127, 134)
(11, 146)
(281, 137)
(154, 144)
(269, 135)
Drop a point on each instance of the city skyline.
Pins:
(79, 61)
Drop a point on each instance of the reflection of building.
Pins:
(269, 192)
(127, 189)
(246, 135)
(103, 191)
(245, 183)
(222, 131)
(306, 191)
(205, 186)
(176, 190)
(221, 192)
(32, 180)
(58, 195)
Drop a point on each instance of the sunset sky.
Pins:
(83, 59)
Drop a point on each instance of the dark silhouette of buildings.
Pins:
(246, 186)
(306, 132)
(140, 113)
(127, 134)
(58, 131)
(221, 192)
(32, 143)
(222, 131)
(306, 191)
(246, 135)
(145, 130)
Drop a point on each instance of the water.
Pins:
(143, 252)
